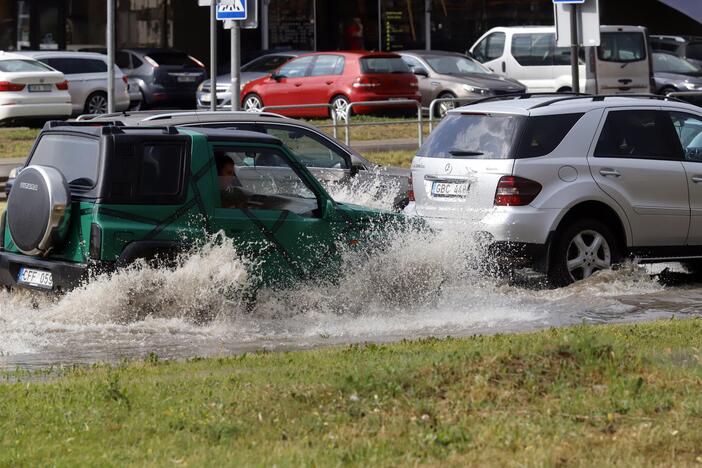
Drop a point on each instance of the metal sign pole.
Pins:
(213, 55)
(575, 72)
(110, 39)
(427, 24)
(236, 61)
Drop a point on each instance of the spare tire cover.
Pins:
(38, 209)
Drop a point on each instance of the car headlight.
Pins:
(692, 86)
(199, 87)
(475, 89)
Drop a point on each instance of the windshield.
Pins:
(452, 65)
(478, 136)
(18, 66)
(384, 65)
(77, 158)
(671, 64)
(621, 47)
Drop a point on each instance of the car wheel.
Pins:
(96, 103)
(581, 249)
(565, 89)
(443, 107)
(253, 103)
(667, 89)
(340, 108)
(140, 105)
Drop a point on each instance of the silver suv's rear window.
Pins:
(479, 136)
(486, 136)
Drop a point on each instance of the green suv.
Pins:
(97, 197)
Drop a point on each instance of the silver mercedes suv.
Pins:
(568, 185)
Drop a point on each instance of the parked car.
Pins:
(93, 198)
(165, 77)
(674, 74)
(31, 90)
(451, 75)
(336, 78)
(568, 185)
(256, 68)
(86, 73)
(687, 47)
(335, 165)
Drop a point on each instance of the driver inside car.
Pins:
(232, 192)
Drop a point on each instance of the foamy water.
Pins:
(419, 285)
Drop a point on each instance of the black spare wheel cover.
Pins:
(37, 209)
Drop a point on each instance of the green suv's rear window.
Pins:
(76, 157)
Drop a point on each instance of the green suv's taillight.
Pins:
(95, 241)
(2, 230)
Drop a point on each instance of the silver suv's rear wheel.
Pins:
(581, 249)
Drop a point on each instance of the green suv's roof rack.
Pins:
(108, 127)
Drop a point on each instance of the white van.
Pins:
(621, 64)
(529, 54)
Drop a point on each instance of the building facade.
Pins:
(302, 24)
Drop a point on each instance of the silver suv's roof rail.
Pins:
(602, 97)
(504, 97)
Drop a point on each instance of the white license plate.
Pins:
(40, 88)
(186, 79)
(450, 189)
(37, 278)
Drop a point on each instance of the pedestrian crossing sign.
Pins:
(231, 10)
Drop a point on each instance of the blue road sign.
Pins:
(235, 10)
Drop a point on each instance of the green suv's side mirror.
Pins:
(328, 208)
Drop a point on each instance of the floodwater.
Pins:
(420, 286)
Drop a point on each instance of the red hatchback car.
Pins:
(337, 78)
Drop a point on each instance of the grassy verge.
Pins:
(391, 128)
(16, 142)
(391, 158)
(592, 396)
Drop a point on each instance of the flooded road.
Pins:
(421, 285)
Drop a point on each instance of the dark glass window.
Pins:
(476, 136)
(136, 61)
(543, 133)
(161, 170)
(533, 49)
(77, 158)
(328, 65)
(639, 134)
(265, 64)
(122, 60)
(694, 50)
(688, 128)
(180, 59)
(383, 65)
(74, 66)
(296, 68)
(495, 45)
(621, 47)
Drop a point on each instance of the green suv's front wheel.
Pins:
(581, 249)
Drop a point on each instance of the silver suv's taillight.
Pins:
(516, 191)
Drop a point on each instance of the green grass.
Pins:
(391, 128)
(16, 142)
(391, 158)
(582, 396)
